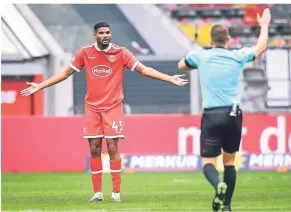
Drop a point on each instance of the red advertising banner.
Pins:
(250, 15)
(47, 144)
(12, 102)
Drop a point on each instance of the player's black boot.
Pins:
(218, 201)
(227, 208)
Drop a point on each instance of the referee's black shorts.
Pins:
(220, 130)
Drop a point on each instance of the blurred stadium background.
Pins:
(162, 122)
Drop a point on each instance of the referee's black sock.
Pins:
(211, 174)
(229, 179)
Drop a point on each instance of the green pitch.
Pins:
(184, 191)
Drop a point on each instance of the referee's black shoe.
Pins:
(227, 208)
(218, 201)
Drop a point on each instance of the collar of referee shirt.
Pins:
(105, 50)
(219, 47)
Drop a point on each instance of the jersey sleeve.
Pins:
(77, 63)
(192, 59)
(245, 55)
(129, 60)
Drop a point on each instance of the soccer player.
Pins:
(104, 63)
(221, 125)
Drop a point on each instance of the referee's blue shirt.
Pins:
(219, 71)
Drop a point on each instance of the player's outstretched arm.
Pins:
(152, 73)
(263, 22)
(58, 77)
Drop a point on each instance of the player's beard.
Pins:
(104, 45)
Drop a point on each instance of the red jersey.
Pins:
(104, 74)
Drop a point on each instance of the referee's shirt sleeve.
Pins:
(245, 55)
(192, 59)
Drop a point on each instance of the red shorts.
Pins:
(108, 124)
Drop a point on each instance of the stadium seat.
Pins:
(272, 30)
(233, 13)
(204, 38)
(250, 15)
(229, 22)
(277, 42)
(189, 30)
(235, 42)
(240, 18)
(286, 31)
(239, 5)
(183, 13)
(239, 31)
(197, 6)
(281, 14)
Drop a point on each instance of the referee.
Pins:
(221, 124)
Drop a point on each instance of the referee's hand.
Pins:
(265, 19)
(177, 80)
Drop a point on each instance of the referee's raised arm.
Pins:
(263, 22)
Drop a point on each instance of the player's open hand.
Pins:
(34, 87)
(177, 80)
(265, 19)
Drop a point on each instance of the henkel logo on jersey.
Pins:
(101, 71)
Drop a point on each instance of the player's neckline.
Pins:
(104, 50)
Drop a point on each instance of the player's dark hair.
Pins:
(219, 34)
(100, 24)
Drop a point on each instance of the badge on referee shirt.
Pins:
(111, 58)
